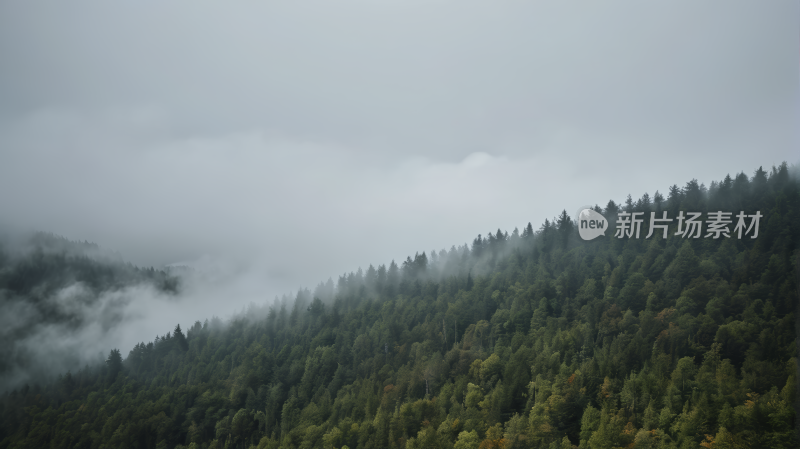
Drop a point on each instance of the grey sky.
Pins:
(299, 140)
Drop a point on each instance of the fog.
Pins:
(279, 145)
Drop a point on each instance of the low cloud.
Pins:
(36, 348)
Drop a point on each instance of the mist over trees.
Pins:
(530, 338)
(51, 287)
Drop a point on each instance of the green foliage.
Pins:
(467, 440)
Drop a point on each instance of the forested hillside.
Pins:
(46, 284)
(522, 339)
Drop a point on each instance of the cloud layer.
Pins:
(288, 143)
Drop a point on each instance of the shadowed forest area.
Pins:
(532, 338)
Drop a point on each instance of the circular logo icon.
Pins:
(591, 224)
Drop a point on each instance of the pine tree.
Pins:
(179, 338)
(114, 364)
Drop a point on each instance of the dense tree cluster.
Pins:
(527, 339)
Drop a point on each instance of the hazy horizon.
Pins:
(284, 144)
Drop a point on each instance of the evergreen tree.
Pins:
(114, 364)
(180, 339)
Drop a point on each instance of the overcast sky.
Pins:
(300, 140)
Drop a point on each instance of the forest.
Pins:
(522, 339)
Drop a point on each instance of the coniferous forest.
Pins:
(532, 338)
